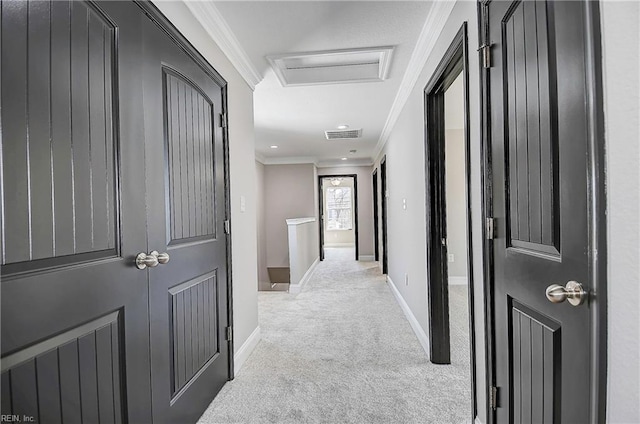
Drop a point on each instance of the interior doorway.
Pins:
(338, 203)
(449, 251)
(376, 231)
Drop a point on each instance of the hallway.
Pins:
(342, 351)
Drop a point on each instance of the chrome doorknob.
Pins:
(573, 292)
(144, 260)
(163, 258)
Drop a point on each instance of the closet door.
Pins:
(186, 215)
(73, 214)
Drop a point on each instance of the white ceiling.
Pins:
(295, 118)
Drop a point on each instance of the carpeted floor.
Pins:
(341, 351)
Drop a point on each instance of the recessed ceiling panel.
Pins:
(333, 66)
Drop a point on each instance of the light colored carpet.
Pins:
(341, 351)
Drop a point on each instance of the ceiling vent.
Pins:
(332, 66)
(342, 134)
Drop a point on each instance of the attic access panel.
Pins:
(332, 66)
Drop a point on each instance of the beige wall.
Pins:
(365, 204)
(243, 183)
(289, 192)
(456, 202)
(260, 224)
(455, 178)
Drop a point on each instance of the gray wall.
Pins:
(406, 180)
(289, 192)
(365, 204)
(405, 164)
(303, 248)
(621, 91)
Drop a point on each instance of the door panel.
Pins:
(188, 119)
(71, 219)
(186, 198)
(194, 332)
(539, 130)
(61, 189)
(82, 366)
(531, 129)
(535, 347)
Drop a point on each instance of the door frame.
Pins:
(383, 212)
(455, 62)
(376, 230)
(321, 210)
(167, 26)
(596, 214)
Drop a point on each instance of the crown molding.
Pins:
(212, 21)
(260, 157)
(299, 160)
(344, 165)
(431, 30)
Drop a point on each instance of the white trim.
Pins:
(458, 281)
(367, 258)
(433, 26)
(302, 160)
(477, 420)
(290, 161)
(420, 334)
(245, 350)
(353, 163)
(352, 244)
(212, 21)
(296, 288)
(260, 158)
(282, 71)
(298, 221)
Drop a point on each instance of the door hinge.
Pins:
(223, 120)
(485, 53)
(493, 397)
(490, 228)
(227, 226)
(229, 334)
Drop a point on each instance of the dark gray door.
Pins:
(73, 214)
(539, 140)
(186, 212)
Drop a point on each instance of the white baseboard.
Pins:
(339, 245)
(420, 334)
(366, 258)
(245, 350)
(296, 288)
(458, 281)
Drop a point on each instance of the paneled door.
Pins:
(540, 132)
(186, 216)
(72, 214)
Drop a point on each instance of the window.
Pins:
(339, 208)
